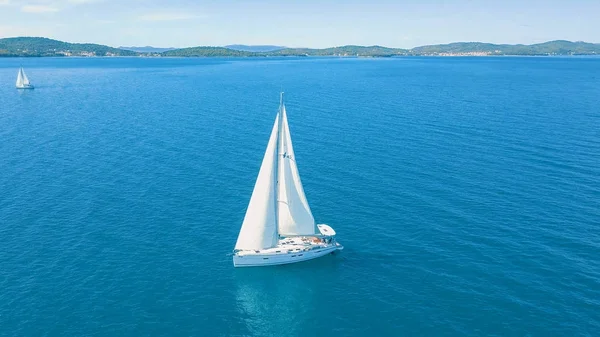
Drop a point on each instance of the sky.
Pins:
(301, 23)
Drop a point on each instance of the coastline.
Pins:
(44, 47)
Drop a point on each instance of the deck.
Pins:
(292, 245)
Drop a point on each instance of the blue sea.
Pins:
(465, 191)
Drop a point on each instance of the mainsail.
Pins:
(259, 229)
(25, 79)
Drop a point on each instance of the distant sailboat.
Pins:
(279, 227)
(23, 81)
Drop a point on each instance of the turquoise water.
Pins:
(465, 191)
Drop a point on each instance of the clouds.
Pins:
(21, 30)
(91, 8)
(169, 17)
(310, 23)
(43, 6)
(78, 2)
(38, 9)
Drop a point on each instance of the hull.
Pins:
(25, 87)
(265, 259)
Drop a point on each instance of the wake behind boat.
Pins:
(22, 80)
(279, 227)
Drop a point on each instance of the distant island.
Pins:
(44, 47)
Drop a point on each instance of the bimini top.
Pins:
(326, 230)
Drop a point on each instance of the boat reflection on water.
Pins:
(281, 300)
(273, 304)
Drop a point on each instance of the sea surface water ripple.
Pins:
(465, 191)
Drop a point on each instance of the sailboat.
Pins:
(23, 81)
(279, 227)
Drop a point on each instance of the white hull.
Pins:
(25, 86)
(289, 250)
(277, 259)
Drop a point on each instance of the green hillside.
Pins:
(558, 47)
(40, 46)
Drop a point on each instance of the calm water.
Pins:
(465, 190)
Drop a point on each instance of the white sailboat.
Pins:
(279, 227)
(22, 80)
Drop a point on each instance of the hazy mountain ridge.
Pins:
(39, 46)
(147, 49)
(254, 48)
(207, 52)
(343, 51)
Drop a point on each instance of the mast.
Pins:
(279, 114)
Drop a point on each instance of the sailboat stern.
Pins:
(329, 235)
